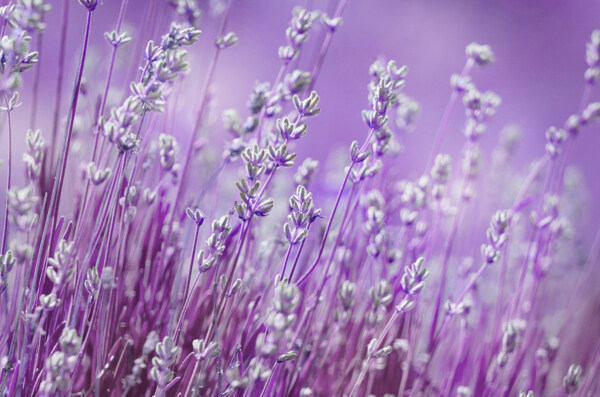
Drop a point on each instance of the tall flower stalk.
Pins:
(148, 253)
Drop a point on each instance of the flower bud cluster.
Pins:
(374, 225)
(166, 355)
(413, 279)
(22, 204)
(7, 262)
(92, 282)
(347, 296)
(28, 15)
(306, 108)
(228, 40)
(256, 103)
(279, 157)
(440, 175)
(168, 149)
(302, 214)
(236, 380)
(90, 5)
(188, 9)
(59, 365)
(15, 58)
(382, 296)
(550, 212)
(59, 270)
(556, 226)
(479, 109)
(406, 113)
(497, 234)
(462, 308)
(255, 159)
(383, 90)
(331, 23)
(129, 202)
(97, 176)
(510, 339)
(280, 319)
(164, 64)
(571, 380)
(258, 97)
(480, 54)
(259, 161)
(592, 58)
(139, 364)
(34, 156)
(297, 33)
(117, 39)
(554, 140)
(574, 123)
(215, 244)
(306, 172)
(295, 83)
(368, 169)
(545, 355)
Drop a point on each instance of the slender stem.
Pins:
(296, 260)
(447, 251)
(59, 80)
(216, 326)
(111, 65)
(335, 207)
(441, 132)
(261, 121)
(36, 82)
(375, 347)
(203, 102)
(287, 257)
(8, 180)
(325, 47)
(186, 291)
(266, 391)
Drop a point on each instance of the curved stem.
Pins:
(335, 207)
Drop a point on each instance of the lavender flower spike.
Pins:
(218, 217)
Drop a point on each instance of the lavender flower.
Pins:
(168, 240)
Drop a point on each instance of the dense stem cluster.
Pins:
(140, 258)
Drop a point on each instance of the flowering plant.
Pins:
(139, 258)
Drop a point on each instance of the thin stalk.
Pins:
(36, 82)
(111, 65)
(325, 47)
(59, 80)
(203, 102)
(286, 259)
(8, 180)
(335, 207)
(375, 347)
(297, 258)
(447, 251)
(441, 132)
(187, 284)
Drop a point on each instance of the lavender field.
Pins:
(300, 198)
